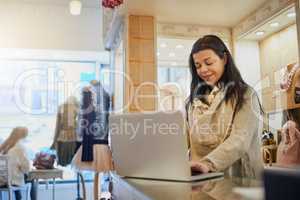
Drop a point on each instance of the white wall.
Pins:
(119, 79)
(49, 26)
(247, 60)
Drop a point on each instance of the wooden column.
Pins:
(141, 84)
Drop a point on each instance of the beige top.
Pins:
(224, 140)
(19, 164)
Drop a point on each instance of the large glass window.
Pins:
(163, 75)
(32, 90)
(173, 71)
(178, 75)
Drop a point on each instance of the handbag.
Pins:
(288, 154)
(44, 160)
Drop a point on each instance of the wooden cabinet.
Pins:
(141, 67)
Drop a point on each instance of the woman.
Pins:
(223, 113)
(19, 165)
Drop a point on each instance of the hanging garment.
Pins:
(102, 100)
(65, 152)
(65, 132)
(94, 153)
(102, 163)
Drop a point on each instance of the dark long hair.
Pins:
(231, 80)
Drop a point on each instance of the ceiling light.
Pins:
(291, 14)
(171, 54)
(157, 53)
(274, 24)
(174, 63)
(163, 45)
(75, 7)
(259, 33)
(179, 46)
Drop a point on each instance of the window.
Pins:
(31, 91)
(178, 75)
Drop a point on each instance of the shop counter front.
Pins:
(213, 189)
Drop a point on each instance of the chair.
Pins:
(5, 178)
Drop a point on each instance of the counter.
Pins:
(214, 189)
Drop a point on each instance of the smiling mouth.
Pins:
(207, 77)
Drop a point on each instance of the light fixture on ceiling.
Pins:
(171, 54)
(179, 46)
(75, 7)
(163, 45)
(291, 14)
(274, 24)
(260, 33)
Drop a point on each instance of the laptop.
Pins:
(282, 183)
(152, 146)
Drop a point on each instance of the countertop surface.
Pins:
(213, 189)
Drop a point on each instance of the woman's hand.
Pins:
(199, 167)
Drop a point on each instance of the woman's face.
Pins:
(210, 67)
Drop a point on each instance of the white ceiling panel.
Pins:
(226, 13)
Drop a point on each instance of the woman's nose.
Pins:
(203, 69)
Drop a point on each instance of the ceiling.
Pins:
(85, 3)
(169, 55)
(225, 13)
(282, 21)
(172, 52)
